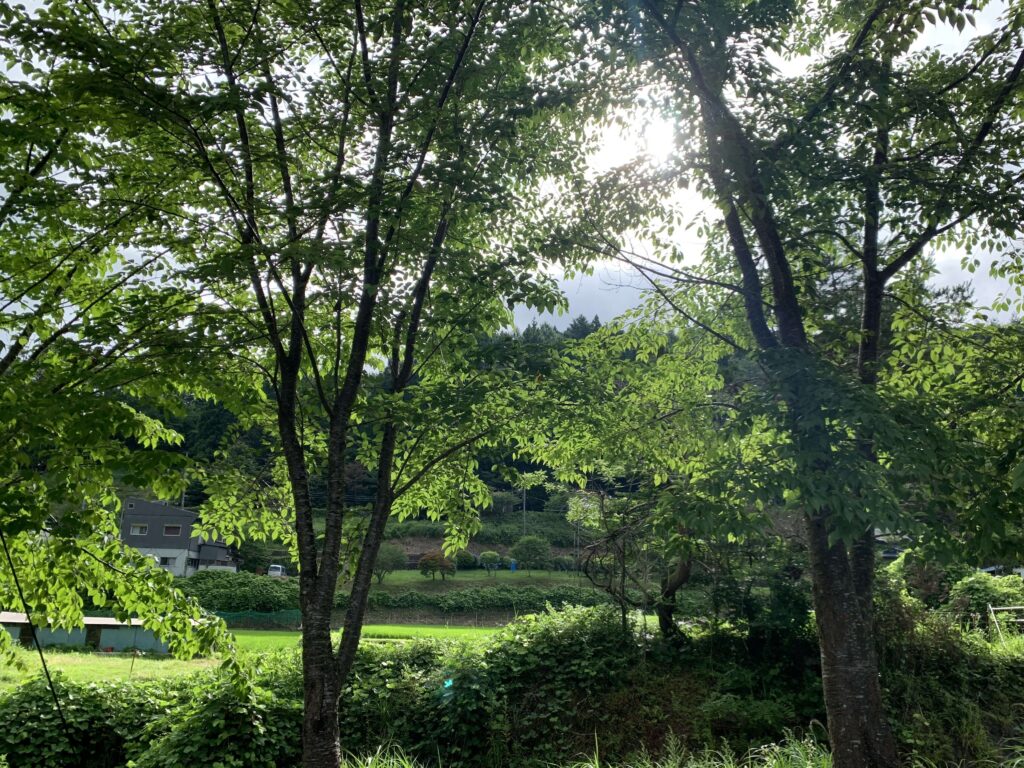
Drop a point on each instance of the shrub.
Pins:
(412, 529)
(237, 592)
(107, 723)
(564, 563)
(970, 598)
(235, 725)
(498, 598)
(927, 580)
(516, 702)
(464, 560)
(390, 558)
(531, 552)
(540, 692)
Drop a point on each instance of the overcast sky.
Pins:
(612, 288)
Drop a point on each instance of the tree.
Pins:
(531, 552)
(349, 186)
(433, 563)
(814, 182)
(390, 557)
(490, 561)
(580, 327)
(88, 334)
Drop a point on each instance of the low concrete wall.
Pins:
(102, 637)
(129, 638)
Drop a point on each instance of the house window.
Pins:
(168, 562)
(138, 529)
(172, 530)
(193, 562)
(131, 505)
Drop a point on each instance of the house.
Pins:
(164, 532)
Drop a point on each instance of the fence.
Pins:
(258, 620)
(1016, 620)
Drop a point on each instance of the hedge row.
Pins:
(242, 591)
(543, 691)
(501, 598)
(226, 592)
(513, 702)
(553, 527)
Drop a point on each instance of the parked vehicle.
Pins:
(277, 571)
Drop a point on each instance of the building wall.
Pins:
(155, 516)
(105, 638)
(180, 556)
(127, 638)
(190, 554)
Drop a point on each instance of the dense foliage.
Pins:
(540, 692)
(311, 223)
(225, 592)
(531, 553)
(231, 592)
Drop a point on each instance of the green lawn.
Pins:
(259, 641)
(409, 631)
(97, 667)
(400, 581)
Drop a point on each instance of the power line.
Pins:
(35, 638)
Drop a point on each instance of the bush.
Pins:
(107, 723)
(464, 560)
(498, 528)
(509, 599)
(517, 696)
(970, 598)
(233, 724)
(238, 592)
(564, 563)
(540, 692)
(516, 703)
(927, 580)
(414, 529)
(531, 552)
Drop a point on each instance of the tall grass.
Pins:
(383, 759)
(791, 753)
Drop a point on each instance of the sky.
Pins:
(613, 288)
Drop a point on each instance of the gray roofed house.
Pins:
(164, 532)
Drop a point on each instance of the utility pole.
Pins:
(524, 510)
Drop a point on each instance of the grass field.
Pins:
(400, 581)
(261, 641)
(98, 667)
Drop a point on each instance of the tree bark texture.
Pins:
(858, 729)
(321, 747)
(671, 583)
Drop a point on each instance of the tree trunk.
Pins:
(362, 580)
(321, 747)
(665, 608)
(858, 730)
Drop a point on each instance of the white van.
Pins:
(277, 571)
